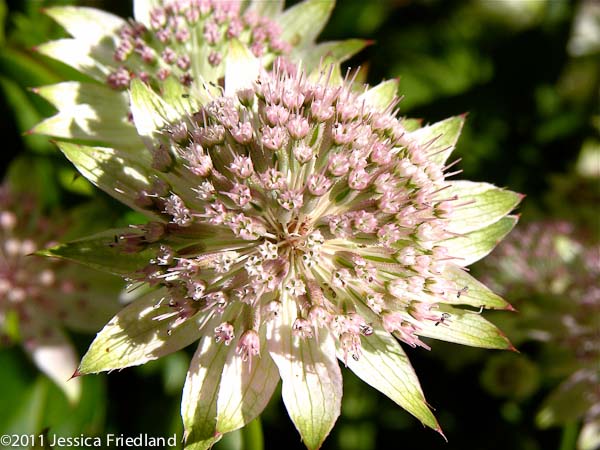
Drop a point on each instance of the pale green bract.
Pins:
(294, 222)
(96, 113)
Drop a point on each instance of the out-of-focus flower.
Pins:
(41, 296)
(552, 273)
(585, 36)
(293, 221)
(182, 42)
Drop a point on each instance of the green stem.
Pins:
(568, 439)
(252, 436)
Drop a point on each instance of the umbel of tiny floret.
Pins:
(293, 221)
(301, 193)
(41, 296)
(551, 270)
(190, 40)
(189, 43)
(186, 32)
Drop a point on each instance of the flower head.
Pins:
(41, 296)
(551, 271)
(180, 28)
(293, 221)
(366, 216)
(178, 47)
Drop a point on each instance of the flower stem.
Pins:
(568, 439)
(252, 436)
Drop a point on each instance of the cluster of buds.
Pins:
(175, 47)
(183, 33)
(548, 260)
(28, 283)
(552, 272)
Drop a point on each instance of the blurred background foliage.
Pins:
(528, 74)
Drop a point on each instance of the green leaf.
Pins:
(90, 58)
(199, 401)
(334, 52)
(246, 390)
(89, 413)
(382, 95)
(27, 415)
(241, 68)
(466, 328)
(16, 389)
(440, 138)
(303, 22)
(312, 380)
(93, 217)
(70, 180)
(174, 370)
(25, 114)
(3, 10)
(481, 204)
(26, 71)
(90, 112)
(31, 404)
(475, 245)
(252, 435)
(9, 325)
(569, 401)
(138, 334)
(88, 24)
(118, 172)
(100, 252)
(384, 366)
(476, 294)
(34, 176)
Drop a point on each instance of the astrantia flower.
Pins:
(41, 296)
(293, 223)
(186, 32)
(183, 42)
(552, 274)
